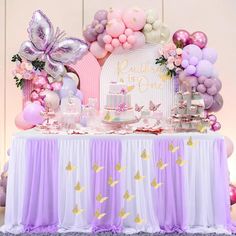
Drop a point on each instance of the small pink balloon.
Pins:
(56, 85)
(47, 86)
(34, 96)
(114, 14)
(40, 81)
(128, 32)
(109, 47)
(229, 146)
(134, 18)
(122, 38)
(140, 40)
(181, 38)
(216, 126)
(97, 50)
(198, 38)
(21, 123)
(115, 28)
(107, 39)
(127, 45)
(212, 118)
(131, 39)
(115, 43)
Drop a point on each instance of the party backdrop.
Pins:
(218, 22)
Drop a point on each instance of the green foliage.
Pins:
(38, 65)
(16, 58)
(19, 82)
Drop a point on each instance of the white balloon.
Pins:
(147, 28)
(74, 77)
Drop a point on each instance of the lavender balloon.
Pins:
(190, 70)
(204, 68)
(101, 15)
(210, 54)
(201, 88)
(212, 90)
(32, 113)
(68, 85)
(190, 51)
(218, 84)
(217, 103)
(208, 100)
(100, 39)
(89, 36)
(80, 95)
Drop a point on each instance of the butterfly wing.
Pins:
(68, 50)
(54, 68)
(29, 51)
(40, 30)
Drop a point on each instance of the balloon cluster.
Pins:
(154, 30)
(126, 29)
(44, 95)
(182, 38)
(215, 125)
(199, 63)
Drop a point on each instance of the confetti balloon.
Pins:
(181, 38)
(198, 38)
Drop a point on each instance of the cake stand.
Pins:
(116, 125)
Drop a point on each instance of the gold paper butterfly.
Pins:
(138, 176)
(123, 214)
(180, 161)
(201, 128)
(145, 155)
(99, 215)
(161, 165)
(79, 188)
(138, 219)
(77, 210)
(112, 182)
(155, 184)
(119, 168)
(100, 198)
(190, 142)
(130, 88)
(70, 167)
(172, 148)
(108, 116)
(97, 168)
(128, 197)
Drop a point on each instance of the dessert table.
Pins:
(118, 183)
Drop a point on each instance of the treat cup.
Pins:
(181, 110)
(197, 96)
(193, 110)
(200, 109)
(186, 125)
(195, 124)
(179, 97)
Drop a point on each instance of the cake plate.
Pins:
(116, 125)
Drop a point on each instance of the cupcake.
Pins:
(195, 124)
(192, 110)
(181, 109)
(179, 97)
(197, 96)
(187, 96)
(186, 125)
(200, 109)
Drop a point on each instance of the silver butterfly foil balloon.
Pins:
(51, 47)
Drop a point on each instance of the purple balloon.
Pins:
(204, 68)
(190, 51)
(185, 63)
(89, 36)
(104, 22)
(101, 15)
(80, 95)
(212, 118)
(201, 79)
(68, 85)
(208, 100)
(218, 84)
(201, 88)
(212, 90)
(94, 23)
(193, 81)
(100, 39)
(190, 70)
(208, 83)
(32, 113)
(217, 103)
(99, 28)
(193, 61)
(210, 54)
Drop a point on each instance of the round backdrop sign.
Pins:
(137, 69)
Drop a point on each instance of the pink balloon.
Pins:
(21, 123)
(131, 39)
(134, 18)
(127, 45)
(40, 81)
(109, 47)
(229, 145)
(107, 38)
(216, 126)
(32, 114)
(51, 99)
(128, 32)
(212, 118)
(140, 40)
(122, 38)
(198, 38)
(114, 14)
(97, 50)
(115, 43)
(34, 96)
(47, 86)
(115, 28)
(181, 38)
(232, 193)
(56, 85)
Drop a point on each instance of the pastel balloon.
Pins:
(147, 28)
(208, 100)
(216, 126)
(100, 15)
(109, 47)
(217, 103)
(51, 99)
(134, 18)
(114, 14)
(190, 70)
(89, 35)
(127, 45)
(204, 68)
(164, 33)
(153, 36)
(140, 40)
(190, 51)
(40, 81)
(201, 88)
(185, 63)
(212, 90)
(100, 39)
(32, 114)
(181, 38)
(68, 85)
(156, 25)
(201, 79)
(198, 38)
(115, 28)
(210, 54)
(122, 38)
(193, 81)
(208, 83)
(107, 38)
(218, 84)
(212, 118)
(193, 61)
(152, 13)
(115, 43)
(56, 85)
(97, 50)
(80, 95)
(128, 32)
(229, 146)
(21, 123)
(99, 28)
(131, 39)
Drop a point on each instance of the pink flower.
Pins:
(170, 66)
(28, 75)
(177, 61)
(171, 59)
(122, 107)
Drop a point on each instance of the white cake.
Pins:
(118, 103)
